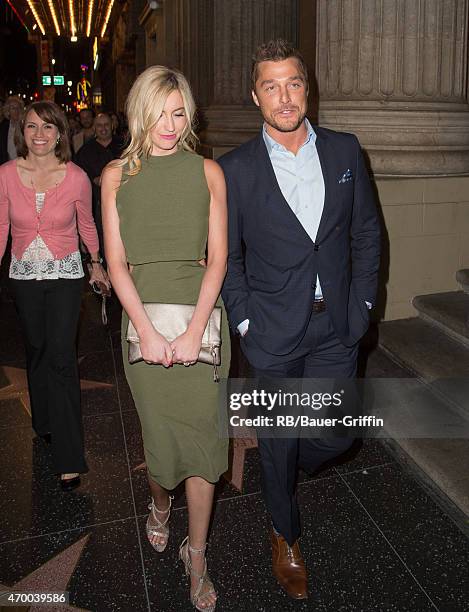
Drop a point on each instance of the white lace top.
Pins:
(38, 263)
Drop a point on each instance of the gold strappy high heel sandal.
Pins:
(161, 529)
(197, 598)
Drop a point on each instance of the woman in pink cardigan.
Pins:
(44, 199)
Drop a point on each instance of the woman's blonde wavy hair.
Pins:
(144, 107)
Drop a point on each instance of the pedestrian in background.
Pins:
(13, 110)
(46, 200)
(93, 157)
(86, 120)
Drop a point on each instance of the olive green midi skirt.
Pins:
(178, 407)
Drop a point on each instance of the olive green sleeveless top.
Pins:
(164, 209)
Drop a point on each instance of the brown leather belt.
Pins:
(319, 306)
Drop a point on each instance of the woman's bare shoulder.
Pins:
(213, 172)
(112, 174)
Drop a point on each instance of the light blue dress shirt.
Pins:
(302, 184)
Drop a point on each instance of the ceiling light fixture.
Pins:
(106, 19)
(90, 13)
(36, 17)
(71, 10)
(54, 16)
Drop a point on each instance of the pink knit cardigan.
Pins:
(66, 208)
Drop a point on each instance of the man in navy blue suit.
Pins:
(304, 246)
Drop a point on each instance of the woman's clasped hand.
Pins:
(157, 350)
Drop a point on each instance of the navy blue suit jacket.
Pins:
(272, 261)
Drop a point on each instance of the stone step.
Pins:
(431, 355)
(425, 350)
(445, 464)
(462, 276)
(447, 311)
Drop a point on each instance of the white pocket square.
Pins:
(346, 176)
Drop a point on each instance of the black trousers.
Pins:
(49, 312)
(319, 355)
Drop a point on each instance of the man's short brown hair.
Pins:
(50, 113)
(276, 51)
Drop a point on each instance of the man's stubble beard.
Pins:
(283, 128)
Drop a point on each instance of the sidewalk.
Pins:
(375, 538)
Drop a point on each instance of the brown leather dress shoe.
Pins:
(289, 568)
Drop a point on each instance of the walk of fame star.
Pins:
(55, 574)
(52, 576)
(18, 386)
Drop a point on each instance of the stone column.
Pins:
(394, 72)
(191, 24)
(238, 28)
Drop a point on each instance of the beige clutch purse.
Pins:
(172, 320)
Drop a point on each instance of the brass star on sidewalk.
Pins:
(53, 576)
(18, 387)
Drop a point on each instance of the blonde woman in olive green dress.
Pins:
(165, 227)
